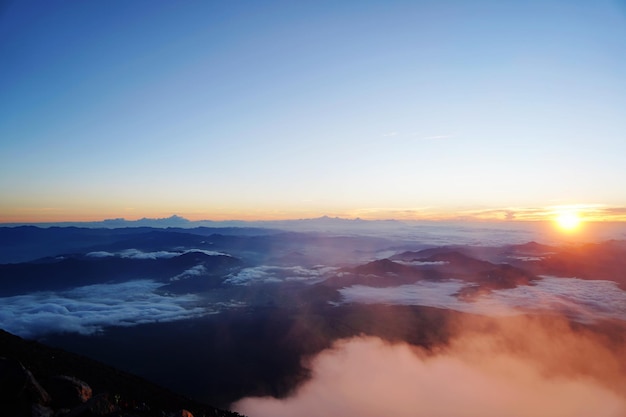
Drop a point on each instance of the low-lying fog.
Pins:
(579, 299)
(522, 367)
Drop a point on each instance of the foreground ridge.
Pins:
(39, 381)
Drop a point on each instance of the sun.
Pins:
(568, 221)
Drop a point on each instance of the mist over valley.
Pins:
(270, 322)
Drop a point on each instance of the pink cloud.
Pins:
(476, 375)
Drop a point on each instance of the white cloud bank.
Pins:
(366, 377)
(583, 300)
(90, 308)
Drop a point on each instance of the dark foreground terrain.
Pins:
(261, 352)
(38, 380)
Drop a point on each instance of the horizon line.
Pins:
(183, 220)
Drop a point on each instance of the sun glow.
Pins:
(568, 221)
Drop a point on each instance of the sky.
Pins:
(273, 110)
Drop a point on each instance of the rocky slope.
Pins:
(39, 381)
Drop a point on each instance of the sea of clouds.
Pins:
(90, 308)
(582, 300)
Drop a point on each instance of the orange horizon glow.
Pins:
(566, 218)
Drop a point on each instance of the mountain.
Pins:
(592, 261)
(433, 265)
(71, 271)
(380, 273)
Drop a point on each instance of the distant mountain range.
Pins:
(436, 233)
(181, 222)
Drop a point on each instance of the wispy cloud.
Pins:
(421, 263)
(268, 274)
(195, 271)
(436, 137)
(618, 211)
(137, 254)
(588, 212)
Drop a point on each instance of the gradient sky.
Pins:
(258, 110)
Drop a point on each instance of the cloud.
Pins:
(88, 309)
(415, 262)
(519, 368)
(195, 271)
(618, 211)
(527, 258)
(427, 293)
(271, 274)
(582, 300)
(137, 254)
(207, 252)
(99, 254)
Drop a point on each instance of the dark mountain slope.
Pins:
(444, 264)
(133, 395)
(74, 271)
(380, 273)
(221, 358)
(605, 260)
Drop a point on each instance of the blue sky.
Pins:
(298, 109)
